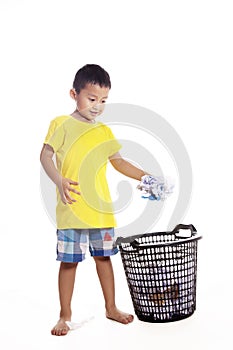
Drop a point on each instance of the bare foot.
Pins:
(61, 328)
(119, 316)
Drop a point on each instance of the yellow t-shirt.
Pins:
(82, 151)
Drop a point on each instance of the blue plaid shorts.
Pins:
(72, 244)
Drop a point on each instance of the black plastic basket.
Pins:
(161, 272)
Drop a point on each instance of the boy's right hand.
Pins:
(65, 188)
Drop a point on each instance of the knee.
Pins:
(66, 266)
(101, 258)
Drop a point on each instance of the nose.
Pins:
(97, 107)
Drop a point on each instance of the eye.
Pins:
(92, 99)
(103, 101)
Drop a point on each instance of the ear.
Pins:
(73, 94)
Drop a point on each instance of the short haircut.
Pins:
(92, 74)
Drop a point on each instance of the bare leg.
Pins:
(66, 281)
(106, 277)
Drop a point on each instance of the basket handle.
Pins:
(178, 227)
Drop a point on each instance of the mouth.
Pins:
(94, 113)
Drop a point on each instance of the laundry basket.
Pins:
(161, 272)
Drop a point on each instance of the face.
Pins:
(90, 101)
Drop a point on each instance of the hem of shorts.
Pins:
(105, 253)
(69, 261)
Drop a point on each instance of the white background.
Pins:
(173, 57)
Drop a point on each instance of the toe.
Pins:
(64, 331)
(54, 331)
(130, 318)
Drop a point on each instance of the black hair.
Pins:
(92, 74)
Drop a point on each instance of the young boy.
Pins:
(84, 211)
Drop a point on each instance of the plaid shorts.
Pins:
(72, 244)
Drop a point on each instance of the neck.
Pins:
(77, 115)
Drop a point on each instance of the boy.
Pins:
(84, 210)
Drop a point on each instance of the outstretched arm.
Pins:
(125, 167)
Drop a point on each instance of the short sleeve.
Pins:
(114, 145)
(55, 135)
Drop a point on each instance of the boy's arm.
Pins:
(126, 168)
(46, 160)
(63, 184)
